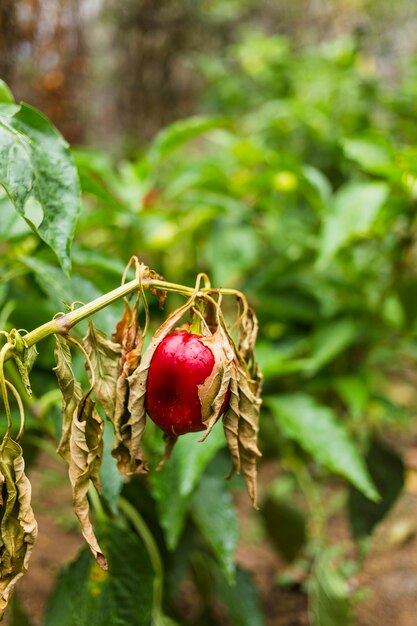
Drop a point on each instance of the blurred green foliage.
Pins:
(298, 186)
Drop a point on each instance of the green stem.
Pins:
(143, 531)
(64, 323)
(3, 356)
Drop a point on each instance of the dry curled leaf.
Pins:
(81, 441)
(212, 393)
(241, 426)
(104, 356)
(241, 420)
(160, 294)
(129, 335)
(71, 392)
(18, 527)
(248, 331)
(24, 358)
(86, 451)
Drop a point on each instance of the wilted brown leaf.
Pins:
(128, 333)
(104, 357)
(18, 527)
(86, 451)
(248, 331)
(241, 426)
(71, 392)
(160, 294)
(241, 420)
(213, 391)
(81, 442)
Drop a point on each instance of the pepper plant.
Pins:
(302, 198)
(117, 370)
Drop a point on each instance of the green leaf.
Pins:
(122, 596)
(174, 136)
(316, 429)
(373, 153)
(329, 341)
(387, 472)
(193, 456)
(240, 600)
(172, 508)
(214, 514)
(175, 482)
(329, 596)
(5, 93)
(37, 171)
(354, 392)
(352, 213)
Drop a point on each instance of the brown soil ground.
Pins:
(389, 575)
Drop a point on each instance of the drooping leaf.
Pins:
(40, 178)
(104, 356)
(81, 443)
(71, 393)
(241, 419)
(387, 471)
(316, 429)
(129, 335)
(24, 357)
(248, 333)
(241, 425)
(213, 392)
(214, 514)
(86, 451)
(18, 527)
(121, 596)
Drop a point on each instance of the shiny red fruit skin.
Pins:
(180, 363)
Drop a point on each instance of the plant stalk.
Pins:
(64, 323)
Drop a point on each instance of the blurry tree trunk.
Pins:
(8, 38)
(153, 83)
(50, 60)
